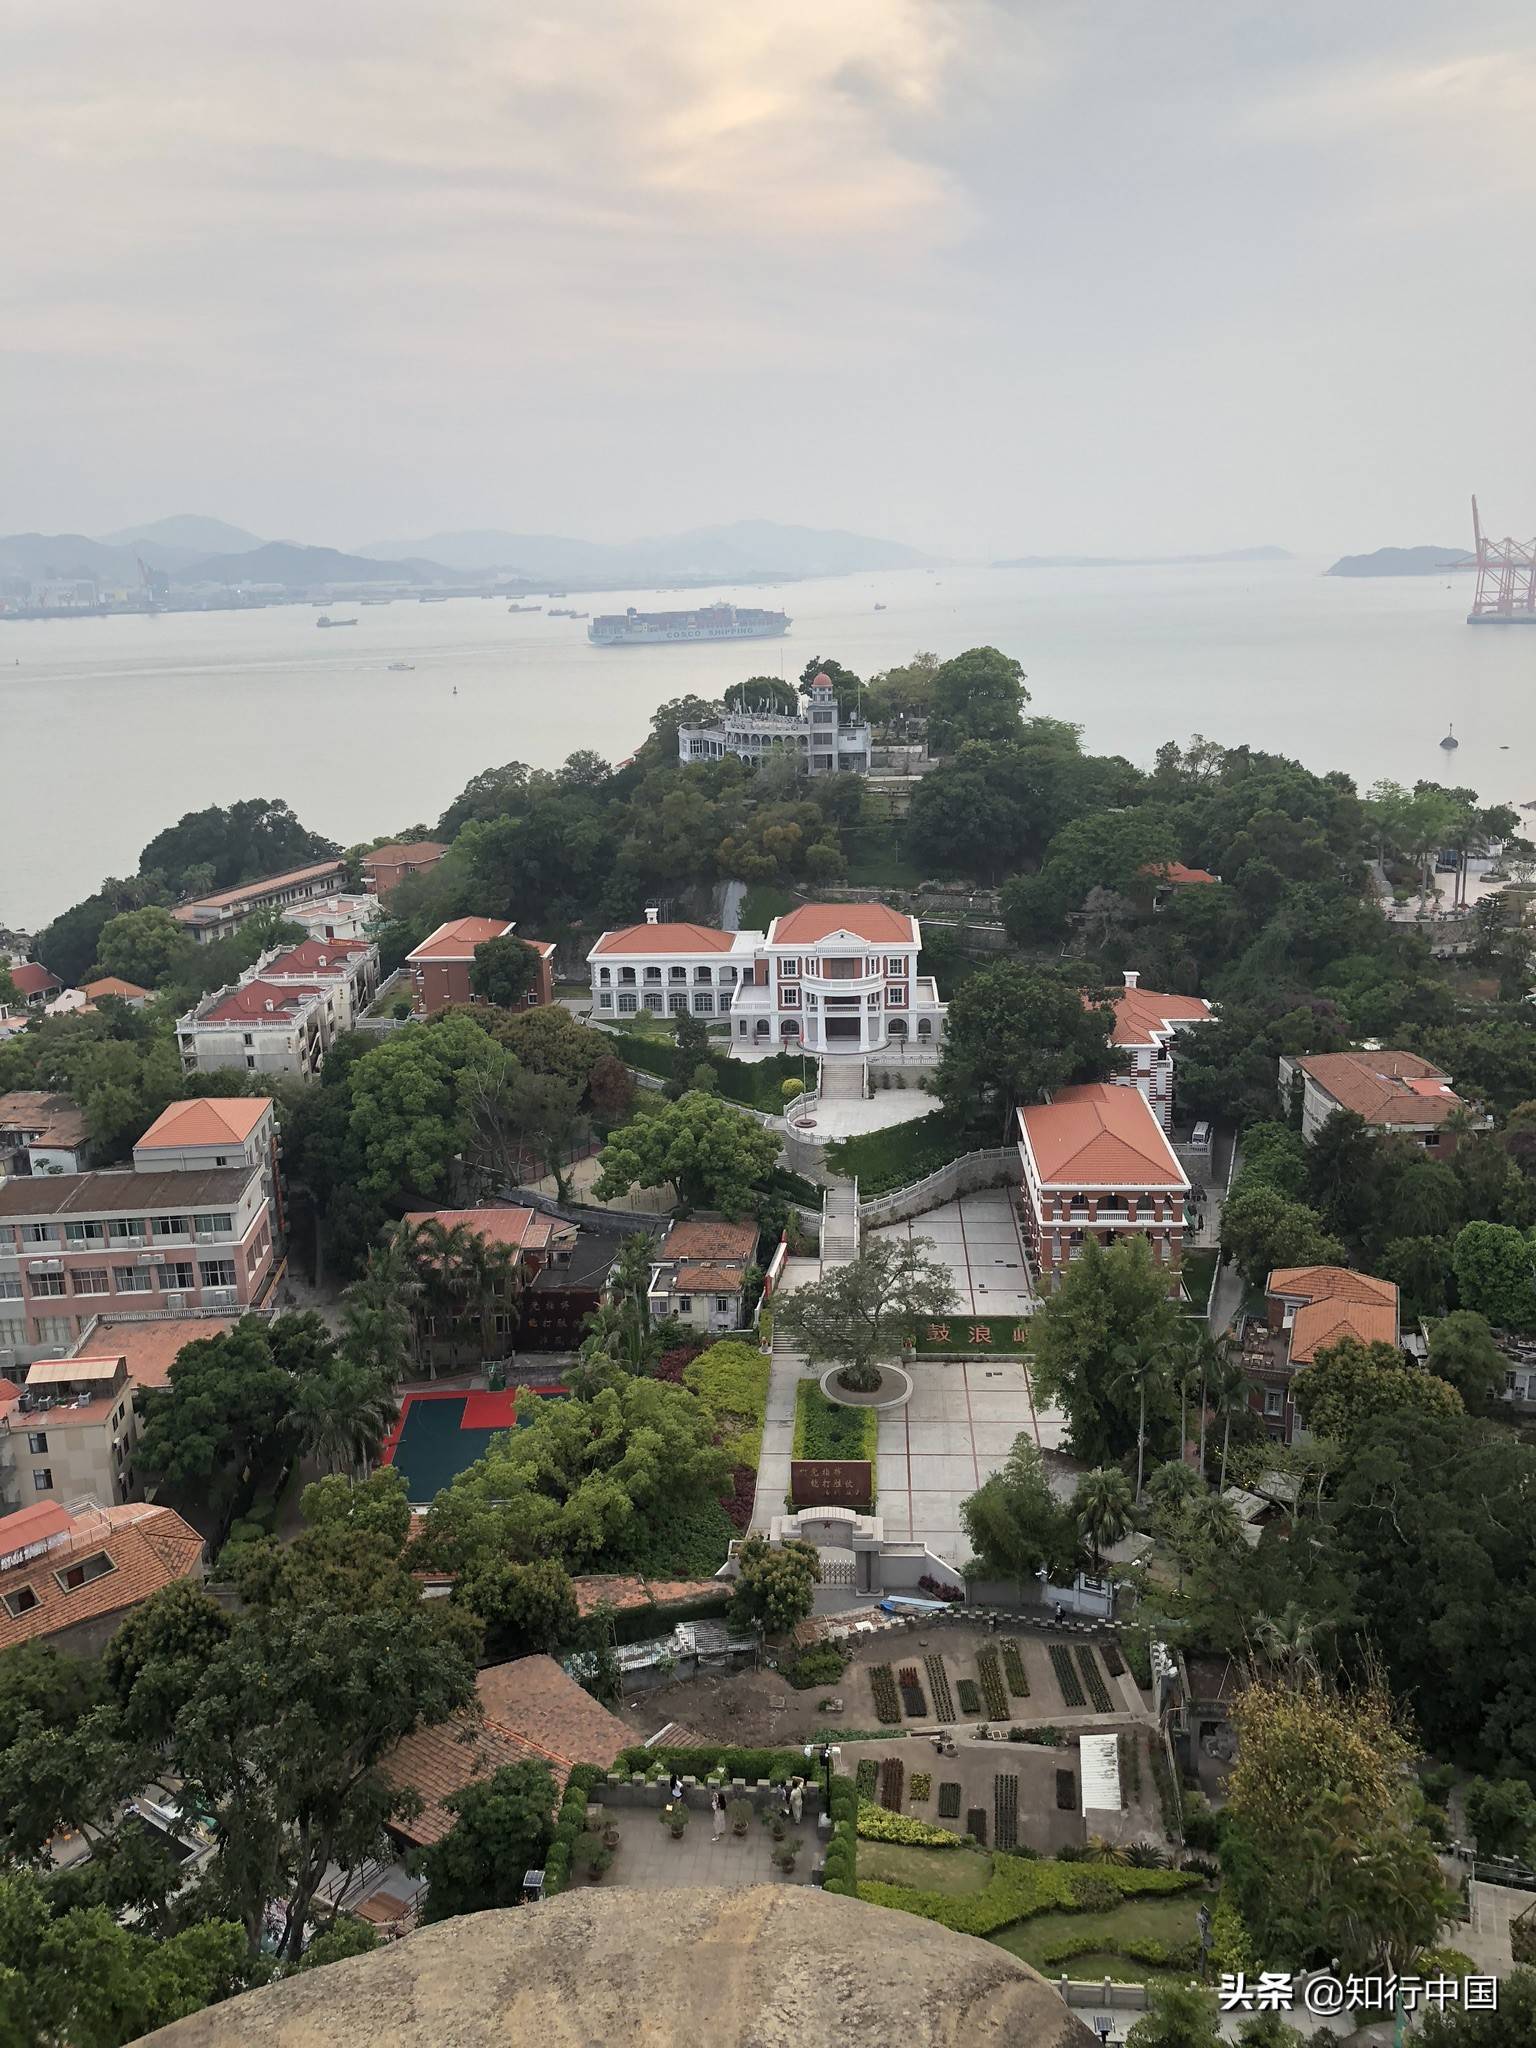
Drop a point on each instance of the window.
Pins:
(685, 1304)
(627, 976)
(701, 974)
(177, 1273)
(221, 1159)
(55, 1329)
(722, 1304)
(653, 974)
(21, 1602)
(728, 977)
(677, 974)
(132, 1279)
(46, 1283)
(250, 1039)
(170, 1226)
(10, 1287)
(790, 968)
(896, 996)
(605, 976)
(217, 1272)
(605, 1001)
(628, 1002)
(84, 1233)
(126, 1230)
(789, 998)
(703, 1003)
(13, 1333)
(220, 1224)
(38, 1233)
(37, 1446)
(1274, 1401)
(42, 1479)
(89, 1279)
(677, 1004)
(895, 965)
(653, 1002)
(81, 1573)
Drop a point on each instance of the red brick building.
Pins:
(387, 866)
(1096, 1165)
(441, 963)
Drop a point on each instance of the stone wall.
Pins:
(989, 1169)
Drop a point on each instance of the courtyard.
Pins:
(977, 1237)
(953, 1434)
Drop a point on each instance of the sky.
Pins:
(987, 276)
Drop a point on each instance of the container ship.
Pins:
(709, 622)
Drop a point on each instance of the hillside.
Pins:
(1421, 561)
(62, 557)
(281, 561)
(748, 547)
(1265, 554)
(191, 533)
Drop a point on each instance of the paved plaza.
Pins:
(647, 1856)
(977, 1237)
(956, 1430)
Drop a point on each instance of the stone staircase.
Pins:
(840, 1224)
(843, 1080)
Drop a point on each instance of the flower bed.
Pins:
(1093, 1678)
(920, 1791)
(1114, 1663)
(970, 1697)
(940, 1589)
(949, 1800)
(1066, 1791)
(883, 1685)
(993, 1691)
(1018, 1888)
(938, 1685)
(976, 1824)
(864, 1778)
(892, 1776)
(825, 1429)
(1005, 1811)
(1013, 1670)
(1066, 1676)
(913, 1705)
(738, 1502)
(879, 1824)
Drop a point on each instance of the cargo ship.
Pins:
(709, 622)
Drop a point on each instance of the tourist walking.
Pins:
(796, 1799)
(717, 1808)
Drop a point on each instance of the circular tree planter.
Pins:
(894, 1390)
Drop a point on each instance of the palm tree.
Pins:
(1209, 1359)
(493, 1275)
(1098, 1849)
(379, 1319)
(1288, 1644)
(1103, 1506)
(1212, 1522)
(1139, 1368)
(1229, 1396)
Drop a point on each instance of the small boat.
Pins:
(525, 607)
(326, 620)
(1450, 743)
(879, 607)
(403, 667)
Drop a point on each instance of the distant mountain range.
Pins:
(1142, 561)
(282, 561)
(1422, 561)
(746, 548)
(189, 533)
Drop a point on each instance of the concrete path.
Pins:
(954, 1433)
(1485, 1938)
(977, 1237)
(786, 1370)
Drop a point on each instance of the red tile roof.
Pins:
(33, 979)
(1143, 1016)
(1384, 1087)
(458, 938)
(113, 985)
(1331, 1283)
(1100, 1135)
(418, 853)
(709, 1279)
(530, 1710)
(31, 1525)
(666, 938)
(258, 1001)
(625, 1593)
(1336, 1302)
(312, 956)
(150, 1547)
(1174, 871)
(151, 1347)
(500, 1223)
(874, 923)
(710, 1237)
(205, 1120)
(57, 1119)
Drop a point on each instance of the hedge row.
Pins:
(750, 1764)
(1159, 1955)
(876, 1824)
(841, 1870)
(825, 1429)
(1017, 1889)
(569, 1823)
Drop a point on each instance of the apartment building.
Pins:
(210, 1131)
(700, 1274)
(387, 866)
(215, 917)
(829, 977)
(815, 739)
(1097, 1166)
(259, 1027)
(69, 1576)
(42, 1133)
(1147, 1022)
(441, 964)
(348, 969)
(1397, 1092)
(1307, 1308)
(336, 917)
(76, 1246)
(68, 1433)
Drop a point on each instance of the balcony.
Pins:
(843, 984)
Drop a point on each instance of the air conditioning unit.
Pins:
(176, 1301)
(207, 1237)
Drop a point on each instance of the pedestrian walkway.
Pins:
(977, 1237)
(840, 1224)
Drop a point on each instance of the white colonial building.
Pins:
(1146, 1024)
(829, 978)
(813, 739)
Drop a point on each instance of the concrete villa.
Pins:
(814, 739)
(1096, 1164)
(1394, 1091)
(833, 978)
(1146, 1024)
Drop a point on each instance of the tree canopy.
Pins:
(1016, 1034)
(714, 1156)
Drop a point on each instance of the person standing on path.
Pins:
(717, 1808)
(796, 1799)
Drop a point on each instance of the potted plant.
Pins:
(788, 1853)
(611, 1837)
(740, 1811)
(674, 1818)
(776, 1827)
(589, 1855)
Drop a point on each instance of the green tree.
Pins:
(1016, 1526)
(1262, 1230)
(1501, 1813)
(764, 693)
(1178, 2016)
(144, 946)
(1349, 1387)
(229, 844)
(1019, 1034)
(714, 1156)
(1103, 1507)
(220, 1422)
(155, 1660)
(861, 1312)
(379, 1505)
(344, 1937)
(410, 1097)
(1496, 1274)
(1112, 1303)
(978, 695)
(1511, 2025)
(777, 1582)
(503, 971)
(548, 1040)
(527, 1609)
(1462, 1351)
(64, 1760)
(502, 1827)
